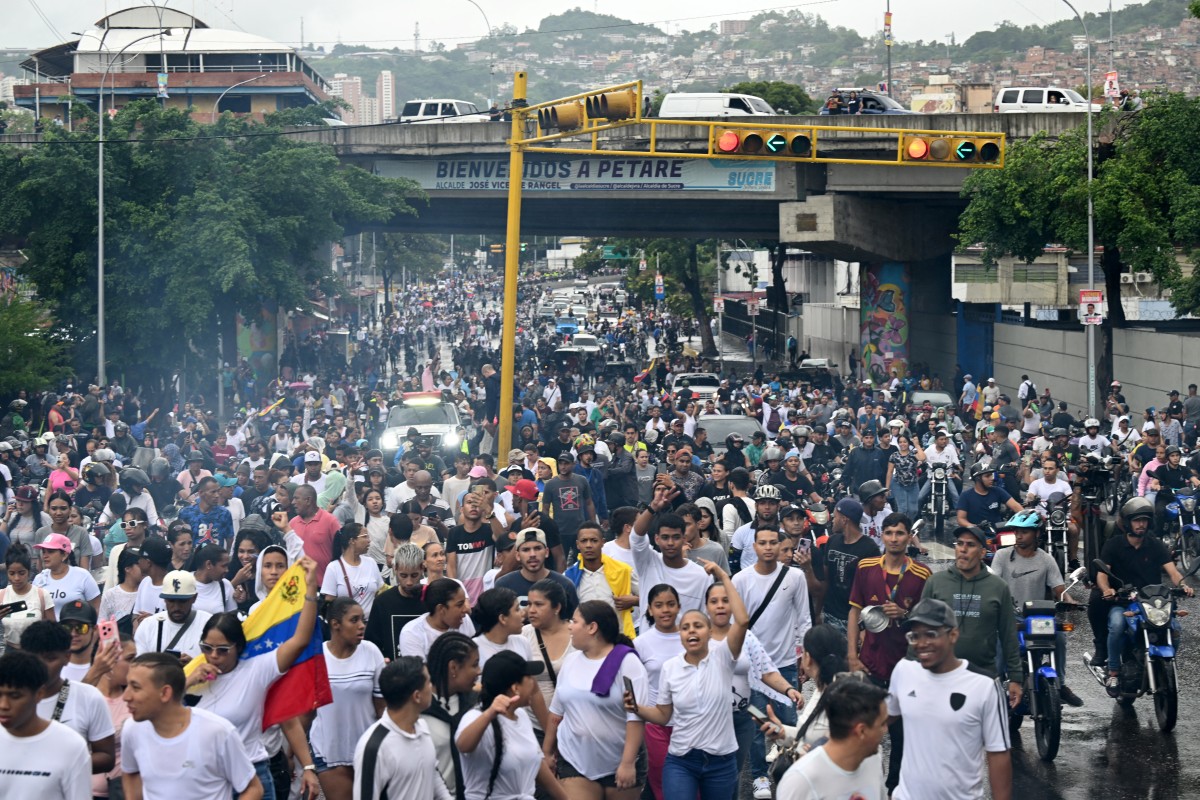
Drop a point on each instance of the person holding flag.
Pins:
(268, 670)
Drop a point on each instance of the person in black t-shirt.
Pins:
(555, 447)
(400, 604)
(1135, 559)
(838, 558)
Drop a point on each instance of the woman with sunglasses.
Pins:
(58, 505)
(237, 689)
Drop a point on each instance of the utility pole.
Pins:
(887, 41)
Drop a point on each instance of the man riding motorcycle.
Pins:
(1137, 560)
(985, 502)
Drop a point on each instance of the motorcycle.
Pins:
(940, 476)
(1038, 627)
(1183, 529)
(1148, 655)
(1058, 518)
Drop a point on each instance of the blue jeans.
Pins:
(712, 777)
(744, 728)
(263, 770)
(786, 714)
(1116, 637)
(906, 500)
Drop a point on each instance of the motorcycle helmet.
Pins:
(585, 444)
(617, 438)
(980, 468)
(768, 492)
(734, 441)
(1057, 432)
(1091, 422)
(1023, 520)
(870, 489)
(1137, 507)
(96, 472)
(17, 405)
(133, 480)
(159, 467)
(121, 427)
(1174, 450)
(5, 447)
(772, 453)
(802, 430)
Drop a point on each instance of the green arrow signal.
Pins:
(964, 150)
(776, 143)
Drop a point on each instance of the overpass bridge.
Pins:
(858, 212)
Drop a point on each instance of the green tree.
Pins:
(198, 227)
(786, 98)
(1146, 195)
(32, 356)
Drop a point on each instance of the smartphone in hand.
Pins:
(629, 689)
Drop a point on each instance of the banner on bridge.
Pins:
(615, 173)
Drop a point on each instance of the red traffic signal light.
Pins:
(951, 149)
(729, 142)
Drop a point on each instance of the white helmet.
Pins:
(1091, 422)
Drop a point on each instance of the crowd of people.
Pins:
(624, 609)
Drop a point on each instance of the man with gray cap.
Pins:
(953, 715)
(178, 629)
(837, 560)
(983, 604)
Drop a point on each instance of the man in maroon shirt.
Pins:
(315, 526)
(894, 582)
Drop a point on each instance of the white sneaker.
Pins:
(762, 789)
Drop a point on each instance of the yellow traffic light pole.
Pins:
(512, 262)
(591, 113)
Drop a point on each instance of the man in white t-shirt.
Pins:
(178, 628)
(1048, 486)
(953, 716)
(848, 765)
(77, 705)
(39, 758)
(780, 620)
(169, 750)
(668, 564)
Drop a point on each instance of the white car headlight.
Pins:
(389, 440)
(451, 440)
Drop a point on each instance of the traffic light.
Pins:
(951, 150)
(566, 117)
(613, 105)
(773, 144)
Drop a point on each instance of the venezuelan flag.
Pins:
(641, 376)
(306, 685)
(270, 408)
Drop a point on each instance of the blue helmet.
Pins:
(1027, 520)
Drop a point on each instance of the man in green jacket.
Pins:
(983, 605)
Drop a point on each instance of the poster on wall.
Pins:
(884, 329)
(1091, 306)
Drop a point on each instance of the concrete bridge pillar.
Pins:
(866, 229)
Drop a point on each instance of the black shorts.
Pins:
(567, 770)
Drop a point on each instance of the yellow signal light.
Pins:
(613, 105)
(567, 117)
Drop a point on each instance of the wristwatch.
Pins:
(310, 768)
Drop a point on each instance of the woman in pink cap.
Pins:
(63, 582)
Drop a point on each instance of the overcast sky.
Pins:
(388, 23)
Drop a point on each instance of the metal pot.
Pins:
(874, 620)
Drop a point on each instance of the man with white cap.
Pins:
(991, 393)
(178, 629)
(312, 474)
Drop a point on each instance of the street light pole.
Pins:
(101, 371)
(221, 96)
(491, 52)
(1091, 245)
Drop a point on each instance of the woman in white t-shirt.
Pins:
(655, 646)
(214, 593)
(19, 567)
(61, 581)
(445, 602)
(597, 743)
(498, 618)
(702, 752)
(500, 754)
(351, 575)
(118, 600)
(453, 663)
(353, 666)
(548, 634)
(237, 689)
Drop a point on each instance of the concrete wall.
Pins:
(933, 339)
(830, 331)
(1054, 359)
(1151, 364)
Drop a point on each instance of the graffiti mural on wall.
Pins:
(884, 328)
